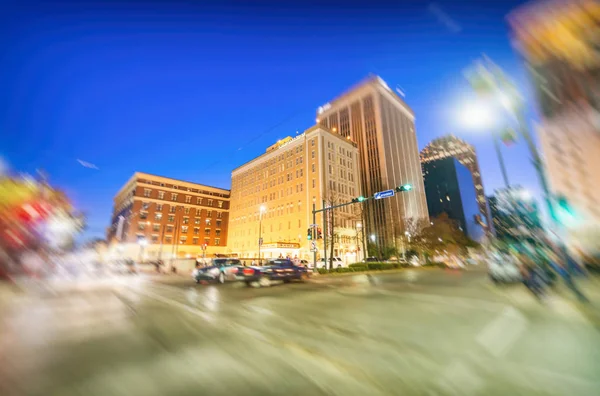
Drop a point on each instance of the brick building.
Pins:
(159, 217)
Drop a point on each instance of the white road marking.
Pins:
(501, 333)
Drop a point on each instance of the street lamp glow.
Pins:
(477, 115)
(358, 225)
(263, 209)
(373, 237)
(143, 242)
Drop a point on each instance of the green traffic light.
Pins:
(407, 187)
(361, 198)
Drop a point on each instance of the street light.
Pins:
(142, 242)
(373, 237)
(261, 210)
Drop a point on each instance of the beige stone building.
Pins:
(159, 217)
(383, 127)
(277, 191)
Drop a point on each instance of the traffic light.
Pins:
(309, 235)
(404, 187)
(358, 199)
(319, 234)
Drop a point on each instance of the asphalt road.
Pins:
(416, 332)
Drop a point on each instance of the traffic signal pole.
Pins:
(362, 200)
(313, 229)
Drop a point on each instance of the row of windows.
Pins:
(169, 229)
(172, 209)
(183, 240)
(174, 198)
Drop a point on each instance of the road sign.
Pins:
(313, 247)
(260, 241)
(384, 194)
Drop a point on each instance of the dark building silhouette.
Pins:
(452, 147)
(449, 189)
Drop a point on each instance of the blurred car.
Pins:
(335, 262)
(276, 270)
(503, 269)
(123, 266)
(221, 270)
(371, 259)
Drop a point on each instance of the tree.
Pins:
(440, 235)
(331, 235)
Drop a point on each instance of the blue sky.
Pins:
(191, 91)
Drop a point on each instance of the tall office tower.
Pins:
(383, 127)
(450, 189)
(560, 44)
(450, 146)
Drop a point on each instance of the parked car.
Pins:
(276, 270)
(221, 270)
(334, 262)
(371, 260)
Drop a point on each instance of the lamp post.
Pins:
(142, 242)
(262, 210)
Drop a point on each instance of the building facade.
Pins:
(516, 216)
(276, 191)
(452, 147)
(383, 127)
(450, 189)
(565, 71)
(158, 217)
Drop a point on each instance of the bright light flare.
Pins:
(478, 114)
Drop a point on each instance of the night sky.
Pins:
(191, 92)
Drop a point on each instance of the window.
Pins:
(186, 210)
(172, 209)
(184, 229)
(173, 197)
(188, 198)
(143, 215)
(194, 241)
(159, 207)
(183, 239)
(217, 241)
(154, 238)
(314, 183)
(209, 202)
(312, 142)
(196, 230)
(147, 192)
(168, 239)
(186, 220)
(220, 204)
(207, 231)
(141, 226)
(218, 223)
(145, 205)
(171, 219)
(161, 195)
(299, 223)
(218, 232)
(206, 241)
(199, 200)
(157, 216)
(169, 228)
(208, 222)
(196, 221)
(219, 214)
(312, 154)
(313, 167)
(209, 213)
(156, 227)
(198, 212)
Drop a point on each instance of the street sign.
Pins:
(313, 225)
(313, 246)
(384, 194)
(260, 241)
